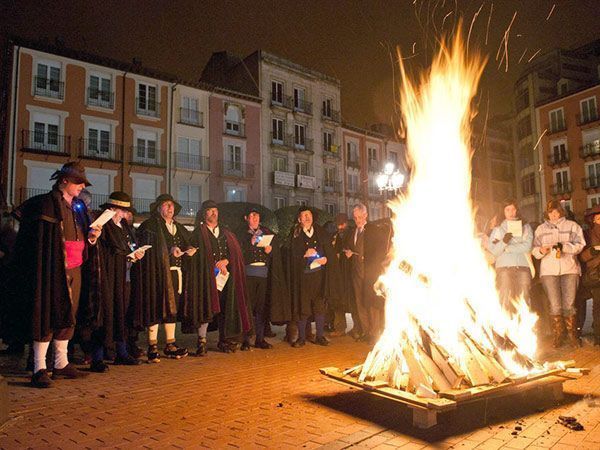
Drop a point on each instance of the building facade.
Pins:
(570, 149)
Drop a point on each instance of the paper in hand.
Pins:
(106, 215)
(144, 248)
(265, 240)
(221, 280)
(314, 265)
(515, 227)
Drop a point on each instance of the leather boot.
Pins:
(557, 331)
(572, 332)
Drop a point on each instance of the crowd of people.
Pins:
(72, 277)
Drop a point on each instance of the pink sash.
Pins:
(74, 250)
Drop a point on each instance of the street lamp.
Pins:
(390, 180)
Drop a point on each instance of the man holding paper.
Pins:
(52, 245)
(163, 273)
(217, 286)
(264, 275)
(510, 243)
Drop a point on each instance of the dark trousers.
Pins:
(74, 284)
(359, 306)
(257, 293)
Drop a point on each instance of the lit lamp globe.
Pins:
(381, 181)
(397, 180)
(389, 168)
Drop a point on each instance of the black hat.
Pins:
(119, 199)
(252, 209)
(207, 204)
(72, 171)
(304, 208)
(165, 198)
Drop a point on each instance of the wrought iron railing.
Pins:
(236, 169)
(191, 117)
(97, 149)
(192, 162)
(45, 142)
(147, 107)
(104, 99)
(48, 87)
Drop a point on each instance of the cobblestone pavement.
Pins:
(276, 399)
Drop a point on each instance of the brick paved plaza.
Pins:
(275, 399)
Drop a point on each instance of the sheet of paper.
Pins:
(597, 247)
(515, 227)
(265, 240)
(314, 265)
(103, 218)
(144, 247)
(221, 280)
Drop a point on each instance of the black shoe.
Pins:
(263, 344)
(245, 346)
(299, 343)
(127, 360)
(234, 346)
(40, 379)
(321, 340)
(69, 372)
(153, 355)
(135, 351)
(201, 350)
(172, 351)
(224, 347)
(98, 367)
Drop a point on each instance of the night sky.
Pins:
(354, 41)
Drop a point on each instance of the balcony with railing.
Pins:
(101, 150)
(330, 114)
(561, 188)
(191, 117)
(591, 182)
(233, 128)
(302, 106)
(285, 141)
(591, 116)
(557, 127)
(235, 169)
(191, 162)
(37, 142)
(102, 99)
(146, 156)
(353, 161)
(283, 101)
(331, 151)
(189, 209)
(145, 107)
(590, 150)
(142, 205)
(558, 158)
(48, 87)
(303, 145)
(332, 186)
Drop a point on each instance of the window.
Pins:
(557, 120)
(352, 152)
(561, 179)
(188, 153)
(277, 92)
(372, 158)
(277, 130)
(299, 135)
(301, 202)
(146, 147)
(233, 120)
(393, 158)
(528, 184)
(559, 152)
(146, 102)
(47, 81)
(330, 208)
(233, 158)
(190, 111)
(189, 195)
(352, 182)
(279, 202)
(330, 174)
(327, 108)
(99, 140)
(299, 98)
(235, 194)
(593, 174)
(301, 168)
(99, 91)
(589, 113)
(279, 164)
(44, 135)
(327, 141)
(593, 200)
(144, 188)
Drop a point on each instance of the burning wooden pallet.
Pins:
(426, 409)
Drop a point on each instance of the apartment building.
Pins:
(557, 72)
(135, 129)
(570, 149)
(300, 116)
(365, 154)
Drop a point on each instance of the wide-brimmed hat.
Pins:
(72, 171)
(207, 204)
(119, 199)
(252, 209)
(592, 211)
(165, 198)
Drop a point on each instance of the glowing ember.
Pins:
(445, 326)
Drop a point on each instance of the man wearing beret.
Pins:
(52, 244)
(162, 271)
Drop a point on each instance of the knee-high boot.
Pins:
(572, 332)
(557, 330)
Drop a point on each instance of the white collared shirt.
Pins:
(171, 228)
(215, 231)
(309, 232)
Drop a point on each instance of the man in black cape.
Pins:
(314, 275)
(265, 277)
(52, 245)
(217, 285)
(162, 272)
(336, 310)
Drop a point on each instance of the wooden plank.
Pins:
(424, 418)
(440, 382)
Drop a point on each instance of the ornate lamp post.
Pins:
(390, 180)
